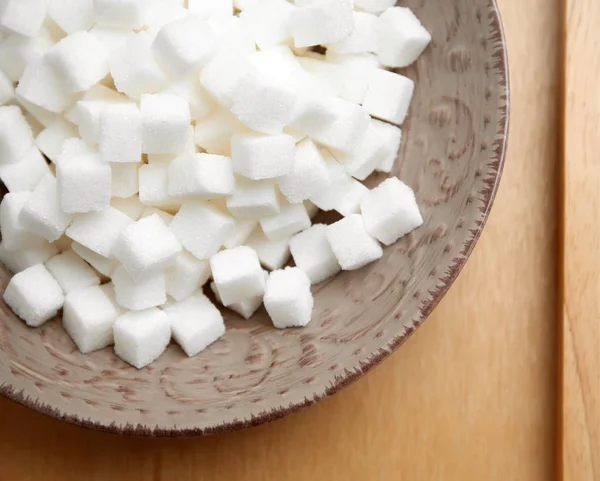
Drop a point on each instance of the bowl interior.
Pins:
(452, 155)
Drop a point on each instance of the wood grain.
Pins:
(581, 261)
(470, 397)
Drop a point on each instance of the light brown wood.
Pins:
(581, 309)
(470, 397)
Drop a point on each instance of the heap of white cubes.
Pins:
(163, 158)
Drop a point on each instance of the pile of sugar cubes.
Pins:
(162, 153)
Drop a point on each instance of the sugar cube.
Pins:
(15, 135)
(72, 15)
(223, 74)
(130, 206)
(154, 186)
(121, 133)
(242, 230)
(16, 51)
(124, 179)
(269, 22)
(374, 6)
(352, 245)
(41, 86)
(26, 174)
(369, 155)
(253, 199)
(392, 137)
(34, 295)
(165, 216)
(23, 258)
(213, 133)
(51, 139)
(402, 37)
(273, 254)
(323, 22)
(246, 308)
(200, 101)
(111, 38)
(165, 122)
(72, 272)
(354, 74)
(312, 253)
(291, 219)
(237, 274)
(211, 8)
(14, 236)
(201, 175)
(24, 17)
(149, 292)
(389, 95)
(260, 157)
(104, 265)
(363, 39)
(119, 13)
(7, 90)
(288, 299)
(186, 275)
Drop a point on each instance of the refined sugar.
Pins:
(374, 6)
(89, 315)
(200, 101)
(253, 199)
(260, 157)
(309, 176)
(195, 323)
(36, 126)
(19, 260)
(390, 211)
(186, 275)
(149, 292)
(121, 133)
(246, 308)
(317, 113)
(389, 95)
(119, 13)
(312, 253)
(79, 61)
(354, 74)
(7, 90)
(146, 247)
(352, 245)
(182, 47)
(166, 217)
(98, 231)
(237, 274)
(323, 22)
(211, 8)
(269, 22)
(36, 115)
(165, 122)
(154, 186)
(103, 265)
(222, 75)
(369, 155)
(15, 135)
(402, 38)
(292, 218)
(273, 254)
(41, 86)
(141, 337)
(124, 179)
(34, 295)
(134, 68)
(288, 299)
(71, 272)
(111, 38)
(17, 51)
(42, 213)
(72, 15)
(26, 174)
(83, 183)
(392, 137)
(170, 13)
(51, 139)
(14, 237)
(243, 229)
(24, 17)
(73, 148)
(203, 243)
(201, 175)
(363, 39)
(213, 133)
(130, 206)
(329, 76)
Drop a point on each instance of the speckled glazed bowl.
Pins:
(452, 156)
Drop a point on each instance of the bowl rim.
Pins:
(348, 377)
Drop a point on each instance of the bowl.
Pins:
(452, 155)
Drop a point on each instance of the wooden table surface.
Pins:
(472, 395)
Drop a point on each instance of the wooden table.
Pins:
(472, 396)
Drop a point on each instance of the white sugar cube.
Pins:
(24, 17)
(89, 315)
(17, 51)
(253, 199)
(149, 292)
(288, 299)
(309, 176)
(390, 211)
(352, 245)
(223, 74)
(369, 155)
(98, 231)
(213, 133)
(363, 39)
(34, 295)
(36, 115)
(259, 156)
(182, 47)
(354, 74)
(237, 274)
(402, 37)
(201, 175)
(389, 95)
(51, 139)
(246, 308)
(84, 183)
(130, 206)
(146, 247)
(15, 135)
(211, 8)
(7, 90)
(200, 101)
(291, 219)
(14, 236)
(124, 180)
(79, 61)
(195, 323)
(121, 133)
(273, 254)
(111, 38)
(141, 337)
(72, 15)
(26, 174)
(19, 260)
(243, 229)
(328, 77)
(374, 6)
(186, 275)
(42, 213)
(269, 22)
(119, 13)
(166, 217)
(72, 272)
(134, 68)
(104, 265)
(323, 22)
(41, 86)
(392, 137)
(154, 186)
(165, 122)
(205, 242)
(312, 253)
